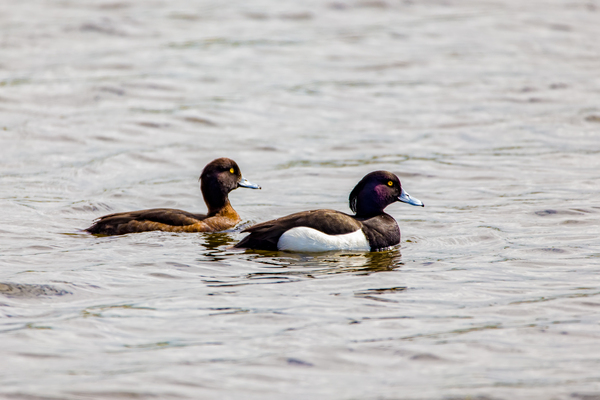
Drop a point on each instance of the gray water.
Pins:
(489, 112)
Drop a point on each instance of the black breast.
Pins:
(381, 231)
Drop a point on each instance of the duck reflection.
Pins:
(214, 244)
(212, 241)
(383, 260)
(325, 263)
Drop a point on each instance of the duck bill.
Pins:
(245, 183)
(405, 198)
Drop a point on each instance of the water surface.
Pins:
(487, 111)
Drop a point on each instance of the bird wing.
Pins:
(167, 216)
(266, 235)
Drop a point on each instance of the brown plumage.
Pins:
(218, 178)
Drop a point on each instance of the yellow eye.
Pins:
(232, 170)
(390, 183)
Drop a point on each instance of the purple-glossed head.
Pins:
(376, 191)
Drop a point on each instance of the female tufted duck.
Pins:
(218, 178)
(324, 230)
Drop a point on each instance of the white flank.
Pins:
(303, 238)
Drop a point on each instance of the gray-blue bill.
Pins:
(405, 198)
(247, 184)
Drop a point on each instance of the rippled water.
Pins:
(488, 111)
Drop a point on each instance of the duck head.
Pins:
(376, 191)
(218, 178)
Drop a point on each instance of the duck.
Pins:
(218, 178)
(369, 229)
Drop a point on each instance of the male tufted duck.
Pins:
(324, 230)
(218, 178)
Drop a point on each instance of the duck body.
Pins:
(218, 178)
(323, 230)
(370, 229)
(164, 219)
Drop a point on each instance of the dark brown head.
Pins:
(376, 191)
(218, 178)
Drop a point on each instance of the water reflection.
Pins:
(213, 242)
(304, 264)
(330, 263)
(383, 260)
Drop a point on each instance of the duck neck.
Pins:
(366, 209)
(365, 214)
(370, 202)
(215, 199)
(228, 212)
